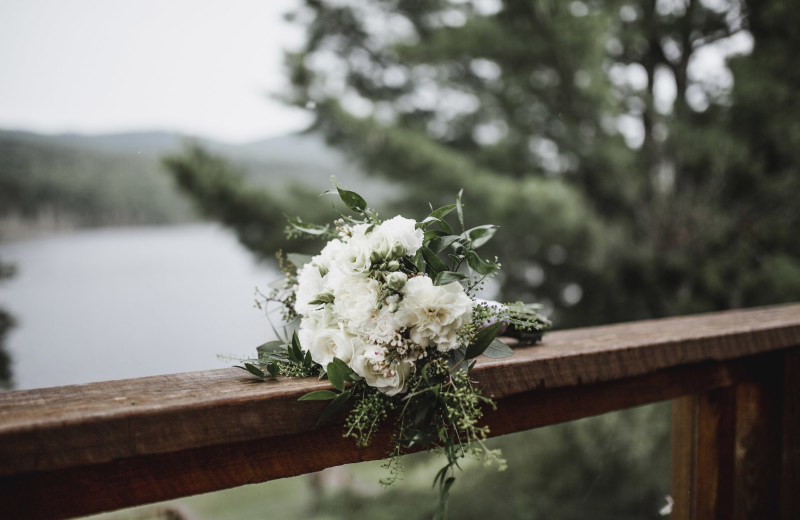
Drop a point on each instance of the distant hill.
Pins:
(72, 180)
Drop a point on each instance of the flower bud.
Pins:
(396, 280)
(323, 297)
(393, 265)
(376, 256)
(398, 249)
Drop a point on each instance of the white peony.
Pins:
(329, 253)
(326, 343)
(380, 326)
(434, 313)
(310, 283)
(356, 299)
(370, 363)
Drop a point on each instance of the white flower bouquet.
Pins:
(386, 311)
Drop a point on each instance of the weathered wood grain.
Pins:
(731, 457)
(151, 478)
(51, 428)
(790, 456)
(147, 439)
(683, 454)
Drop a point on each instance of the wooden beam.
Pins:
(54, 428)
(86, 448)
(152, 478)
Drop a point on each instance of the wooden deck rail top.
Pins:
(85, 448)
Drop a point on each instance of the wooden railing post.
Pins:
(702, 456)
(736, 450)
(790, 456)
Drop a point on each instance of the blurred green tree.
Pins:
(617, 199)
(628, 182)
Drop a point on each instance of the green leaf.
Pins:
(352, 200)
(307, 227)
(337, 373)
(319, 395)
(446, 227)
(272, 368)
(295, 352)
(440, 243)
(271, 347)
(433, 233)
(446, 277)
(419, 261)
(497, 350)
(460, 209)
(478, 264)
(482, 340)
(334, 406)
(254, 370)
(481, 234)
(456, 361)
(298, 260)
(433, 261)
(441, 212)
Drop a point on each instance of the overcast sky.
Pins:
(198, 67)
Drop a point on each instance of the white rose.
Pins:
(434, 313)
(326, 343)
(399, 232)
(355, 300)
(370, 363)
(354, 257)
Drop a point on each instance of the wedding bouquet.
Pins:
(386, 312)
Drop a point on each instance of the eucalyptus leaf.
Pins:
(482, 340)
(419, 261)
(271, 347)
(497, 350)
(432, 234)
(441, 212)
(433, 261)
(334, 406)
(460, 208)
(352, 200)
(441, 242)
(307, 227)
(456, 360)
(294, 350)
(481, 234)
(446, 277)
(254, 370)
(298, 259)
(446, 227)
(478, 264)
(336, 375)
(319, 395)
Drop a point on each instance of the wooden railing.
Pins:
(734, 378)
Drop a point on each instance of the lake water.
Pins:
(118, 303)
